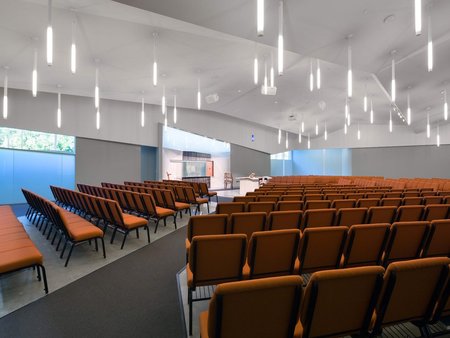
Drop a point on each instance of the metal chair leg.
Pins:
(70, 254)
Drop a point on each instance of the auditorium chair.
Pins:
(432, 200)
(291, 198)
(247, 223)
(318, 218)
(279, 220)
(244, 199)
(367, 202)
(436, 211)
(412, 200)
(289, 205)
(267, 198)
(230, 207)
(266, 207)
(438, 241)
(381, 214)
(316, 204)
(391, 201)
(346, 203)
(406, 213)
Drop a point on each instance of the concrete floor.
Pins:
(22, 287)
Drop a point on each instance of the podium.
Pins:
(247, 184)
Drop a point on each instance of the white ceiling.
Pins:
(214, 41)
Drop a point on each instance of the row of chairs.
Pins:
(104, 212)
(17, 250)
(200, 188)
(177, 198)
(356, 301)
(216, 258)
(71, 228)
(344, 216)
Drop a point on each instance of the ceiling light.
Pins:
(255, 70)
(430, 46)
(359, 133)
(393, 94)
(311, 76)
(371, 112)
(142, 113)
(265, 78)
(163, 101)
(34, 75)
(365, 102)
(325, 134)
(175, 109)
(49, 35)
(408, 110)
(97, 119)
(390, 120)
(309, 142)
(73, 50)
(58, 112)
(303, 127)
(418, 16)
(155, 63)
(438, 138)
(272, 74)
(300, 134)
(199, 97)
(349, 71)
(317, 129)
(428, 125)
(260, 17)
(318, 75)
(445, 105)
(5, 95)
(345, 128)
(280, 39)
(96, 90)
(279, 136)
(287, 140)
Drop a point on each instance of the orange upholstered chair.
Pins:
(279, 220)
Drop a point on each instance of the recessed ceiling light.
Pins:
(276, 102)
(239, 91)
(389, 18)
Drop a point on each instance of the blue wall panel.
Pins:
(34, 171)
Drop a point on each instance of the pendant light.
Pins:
(371, 111)
(430, 46)
(418, 16)
(408, 110)
(163, 101)
(174, 109)
(303, 127)
(96, 90)
(365, 100)
(300, 134)
(287, 140)
(349, 71)
(5, 95)
(265, 77)
(73, 50)
(311, 76)
(318, 75)
(317, 128)
(260, 17)
(325, 134)
(390, 120)
(438, 138)
(445, 105)
(428, 125)
(255, 70)
(345, 128)
(309, 142)
(34, 75)
(58, 112)
(280, 39)
(142, 112)
(279, 136)
(97, 118)
(49, 35)
(199, 96)
(393, 89)
(272, 74)
(155, 63)
(359, 133)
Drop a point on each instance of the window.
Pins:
(281, 156)
(37, 141)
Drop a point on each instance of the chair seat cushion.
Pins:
(19, 258)
(201, 200)
(132, 222)
(81, 231)
(181, 205)
(163, 212)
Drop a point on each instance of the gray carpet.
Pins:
(135, 296)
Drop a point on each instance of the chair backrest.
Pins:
(347, 203)
(318, 218)
(349, 310)
(247, 223)
(190, 195)
(409, 213)
(393, 194)
(310, 205)
(273, 253)
(268, 198)
(438, 241)
(230, 207)
(436, 211)
(412, 201)
(374, 195)
(443, 305)
(289, 205)
(243, 309)
(354, 195)
(367, 202)
(410, 290)
(212, 224)
(291, 197)
(391, 201)
(279, 220)
(384, 214)
(244, 199)
(266, 207)
(406, 241)
(215, 259)
(180, 194)
(366, 244)
(312, 197)
(349, 216)
(332, 196)
(321, 248)
(432, 200)
(411, 194)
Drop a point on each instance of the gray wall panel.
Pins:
(244, 161)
